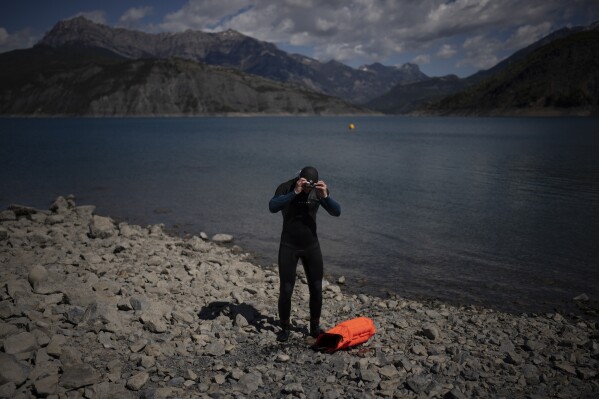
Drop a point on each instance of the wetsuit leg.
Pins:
(288, 258)
(313, 266)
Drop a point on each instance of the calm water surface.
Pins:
(496, 211)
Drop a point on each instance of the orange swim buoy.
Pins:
(349, 333)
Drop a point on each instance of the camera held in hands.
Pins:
(310, 184)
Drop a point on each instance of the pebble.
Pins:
(127, 311)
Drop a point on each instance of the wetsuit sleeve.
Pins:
(278, 202)
(331, 206)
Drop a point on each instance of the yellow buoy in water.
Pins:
(351, 126)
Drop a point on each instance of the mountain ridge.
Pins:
(231, 48)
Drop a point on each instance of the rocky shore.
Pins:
(97, 309)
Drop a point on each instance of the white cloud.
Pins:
(527, 34)
(422, 59)
(375, 30)
(135, 14)
(481, 52)
(446, 51)
(18, 40)
(97, 16)
(3, 35)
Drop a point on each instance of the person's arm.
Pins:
(281, 199)
(331, 206)
(279, 202)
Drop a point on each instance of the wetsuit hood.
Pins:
(309, 173)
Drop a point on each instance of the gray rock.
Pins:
(389, 371)
(20, 210)
(294, 388)
(531, 373)
(513, 358)
(70, 356)
(369, 376)
(241, 321)
(222, 238)
(60, 205)
(215, 348)
(8, 390)
(37, 275)
(154, 323)
(138, 303)
(566, 367)
(147, 361)
(22, 342)
(54, 348)
(138, 345)
(7, 216)
(74, 377)
(101, 227)
(11, 371)
(455, 394)
(85, 212)
(418, 383)
(137, 381)
(54, 219)
(17, 288)
(249, 382)
(3, 234)
(582, 298)
(431, 332)
(75, 314)
(6, 309)
(47, 385)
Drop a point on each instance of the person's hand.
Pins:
(321, 189)
(299, 185)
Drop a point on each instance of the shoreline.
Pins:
(91, 308)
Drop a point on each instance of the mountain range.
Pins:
(233, 49)
(84, 68)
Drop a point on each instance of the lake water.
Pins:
(496, 211)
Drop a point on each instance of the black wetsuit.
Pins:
(299, 241)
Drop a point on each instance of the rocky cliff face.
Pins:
(231, 48)
(68, 82)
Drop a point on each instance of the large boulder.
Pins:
(101, 227)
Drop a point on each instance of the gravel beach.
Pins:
(97, 309)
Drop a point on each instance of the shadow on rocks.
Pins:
(241, 314)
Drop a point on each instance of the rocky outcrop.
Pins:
(139, 313)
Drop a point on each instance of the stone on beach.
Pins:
(91, 309)
(222, 238)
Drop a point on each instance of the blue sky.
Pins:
(441, 36)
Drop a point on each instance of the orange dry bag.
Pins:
(349, 333)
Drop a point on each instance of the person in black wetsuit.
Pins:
(299, 200)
